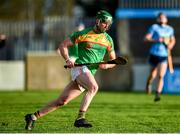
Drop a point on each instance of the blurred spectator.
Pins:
(2, 40)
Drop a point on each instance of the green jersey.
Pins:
(73, 51)
(92, 46)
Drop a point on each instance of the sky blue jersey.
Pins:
(157, 31)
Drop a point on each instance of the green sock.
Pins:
(81, 115)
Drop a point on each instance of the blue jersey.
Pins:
(157, 31)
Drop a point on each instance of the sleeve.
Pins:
(151, 30)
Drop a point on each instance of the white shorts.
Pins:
(76, 71)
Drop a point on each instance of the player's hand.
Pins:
(103, 66)
(70, 63)
(161, 40)
(166, 40)
(170, 46)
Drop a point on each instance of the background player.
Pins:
(158, 35)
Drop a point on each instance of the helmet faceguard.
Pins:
(104, 17)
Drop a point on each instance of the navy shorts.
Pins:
(155, 60)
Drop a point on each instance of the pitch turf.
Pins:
(110, 112)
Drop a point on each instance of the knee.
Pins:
(161, 77)
(153, 75)
(62, 101)
(93, 88)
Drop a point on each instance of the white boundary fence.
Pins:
(44, 35)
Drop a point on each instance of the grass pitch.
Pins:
(109, 112)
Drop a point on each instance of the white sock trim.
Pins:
(33, 117)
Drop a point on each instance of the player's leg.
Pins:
(87, 81)
(162, 72)
(153, 60)
(70, 92)
(151, 77)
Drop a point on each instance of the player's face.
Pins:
(102, 26)
(163, 19)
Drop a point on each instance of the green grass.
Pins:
(110, 112)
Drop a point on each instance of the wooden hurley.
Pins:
(170, 62)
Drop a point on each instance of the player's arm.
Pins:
(63, 51)
(148, 39)
(112, 56)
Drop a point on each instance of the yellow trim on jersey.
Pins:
(94, 38)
